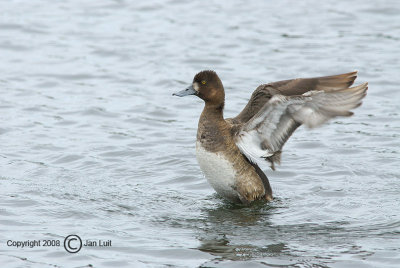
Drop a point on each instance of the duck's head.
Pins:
(207, 86)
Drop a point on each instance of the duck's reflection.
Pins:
(234, 232)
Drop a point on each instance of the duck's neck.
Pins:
(214, 111)
(212, 128)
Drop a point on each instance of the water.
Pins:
(93, 143)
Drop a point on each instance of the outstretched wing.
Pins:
(264, 135)
(298, 86)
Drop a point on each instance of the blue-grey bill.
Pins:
(186, 92)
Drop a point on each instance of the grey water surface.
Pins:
(92, 143)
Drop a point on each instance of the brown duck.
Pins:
(228, 150)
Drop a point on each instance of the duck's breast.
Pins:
(219, 171)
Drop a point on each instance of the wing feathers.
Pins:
(325, 105)
(264, 135)
(298, 86)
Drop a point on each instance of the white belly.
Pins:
(218, 171)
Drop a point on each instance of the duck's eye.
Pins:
(203, 82)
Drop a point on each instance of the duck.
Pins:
(229, 151)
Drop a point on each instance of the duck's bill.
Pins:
(186, 92)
